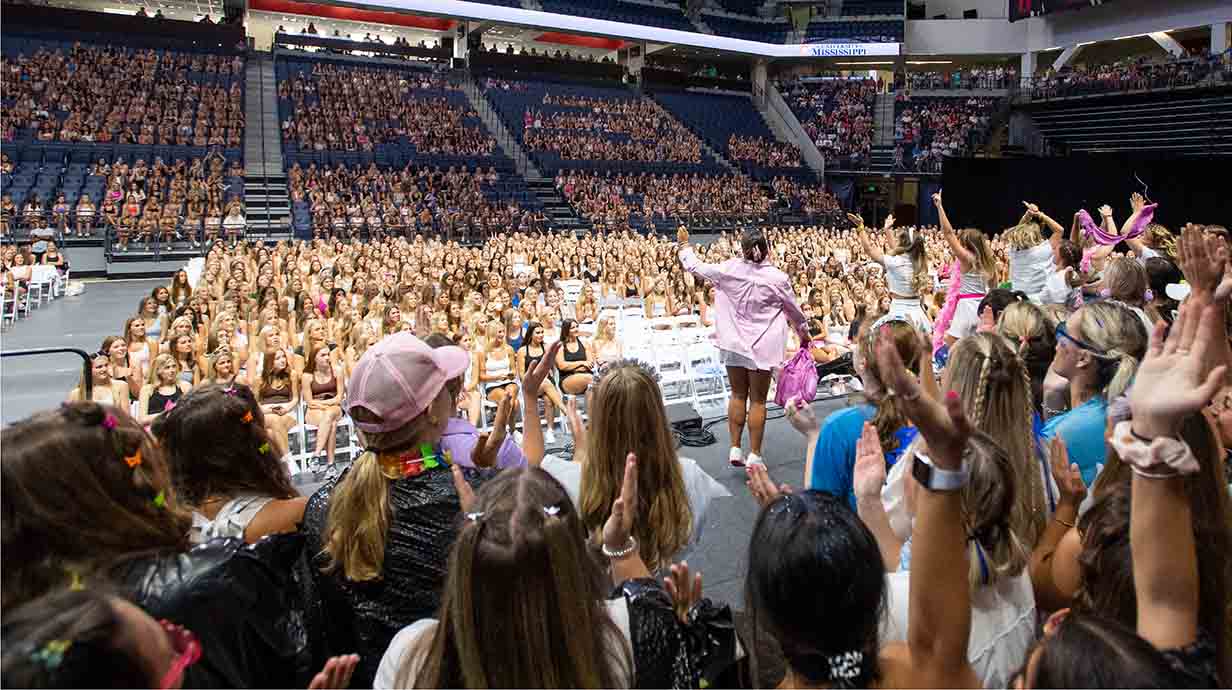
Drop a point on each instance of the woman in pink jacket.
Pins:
(753, 303)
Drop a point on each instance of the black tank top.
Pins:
(531, 361)
(158, 402)
(579, 356)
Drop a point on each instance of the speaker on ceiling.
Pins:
(971, 14)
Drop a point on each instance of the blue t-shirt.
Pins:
(1082, 430)
(834, 459)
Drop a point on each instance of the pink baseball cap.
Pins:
(399, 377)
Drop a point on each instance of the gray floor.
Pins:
(28, 384)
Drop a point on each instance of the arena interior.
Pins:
(641, 223)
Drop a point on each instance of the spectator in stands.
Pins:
(104, 388)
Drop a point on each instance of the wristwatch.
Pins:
(936, 479)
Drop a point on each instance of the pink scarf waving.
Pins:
(1100, 236)
(951, 305)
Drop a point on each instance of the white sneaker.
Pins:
(735, 457)
(755, 459)
(549, 436)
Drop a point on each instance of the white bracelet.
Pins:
(629, 548)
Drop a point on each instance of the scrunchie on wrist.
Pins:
(1171, 455)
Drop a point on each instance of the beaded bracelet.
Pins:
(629, 548)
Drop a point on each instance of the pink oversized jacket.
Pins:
(753, 302)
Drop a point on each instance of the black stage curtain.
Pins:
(987, 193)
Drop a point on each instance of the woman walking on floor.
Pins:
(753, 301)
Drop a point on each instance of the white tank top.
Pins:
(899, 274)
(973, 284)
(498, 367)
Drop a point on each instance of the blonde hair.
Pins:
(358, 519)
(627, 416)
(211, 362)
(1024, 236)
(1121, 336)
(995, 549)
(995, 387)
(159, 362)
(1126, 280)
(1161, 239)
(976, 243)
(911, 243)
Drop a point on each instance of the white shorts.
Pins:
(966, 318)
(912, 311)
(734, 359)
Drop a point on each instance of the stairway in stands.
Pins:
(882, 156)
(561, 215)
(267, 204)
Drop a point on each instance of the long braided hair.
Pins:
(984, 370)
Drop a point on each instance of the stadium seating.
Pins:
(853, 31)
(616, 11)
(837, 114)
(927, 129)
(715, 118)
(513, 105)
(1160, 123)
(766, 32)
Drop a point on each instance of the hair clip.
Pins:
(160, 500)
(109, 422)
(845, 666)
(75, 584)
(229, 390)
(52, 653)
(551, 511)
(474, 517)
(264, 448)
(134, 459)
(247, 418)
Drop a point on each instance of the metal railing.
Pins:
(1148, 78)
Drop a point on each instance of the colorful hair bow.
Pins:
(161, 499)
(247, 418)
(264, 448)
(134, 459)
(110, 422)
(51, 654)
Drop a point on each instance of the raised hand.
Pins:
(1105, 211)
(870, 471)
(856, 219)
(762, 487)
(801, 416)
(889, 222)
(1067, 475)
(944, 426)
(1202, 259)
(1137, 201)
(682, 235)
(466, 495)
(684, 593)
(336, 674)
(1175, 378)
(619, 525)
(937, 199)
(1031, 208)
(488, 447)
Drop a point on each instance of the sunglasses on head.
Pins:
(1063, 332)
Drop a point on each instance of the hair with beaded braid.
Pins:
(69, 500)
(995, 387)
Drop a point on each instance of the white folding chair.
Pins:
(709, 376)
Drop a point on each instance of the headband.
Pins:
(888, 318)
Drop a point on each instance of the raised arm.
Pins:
(1034, 211)
(951, 238)
(692, 264)
(869, 478)
(1174, 381)
(532, 382)
(939, 621)
(870, 247)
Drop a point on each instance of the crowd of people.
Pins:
(557, 54)
(927, 130)
(180, 199)
(1032, 490)
(608, 129)
(999, 77)
(1133, 74)
(837, 114)
(348, 108)
(111, 94)
(764, 152)
(613, 200)
(360, 201)
(814, 201)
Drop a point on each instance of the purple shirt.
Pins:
(459, 441)
(752, 303)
